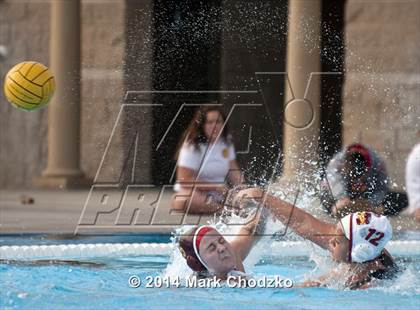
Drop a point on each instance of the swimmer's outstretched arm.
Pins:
(249, 234)
(359, 280)
(360, 276)
(301, 222)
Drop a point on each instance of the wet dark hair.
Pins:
(357, 164)
(195, 135)
(355, 167)
(187, 250)
(358, 160)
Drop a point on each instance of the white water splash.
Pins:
(407, 283)
(229, 227)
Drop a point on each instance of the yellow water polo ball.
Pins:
(29, 85)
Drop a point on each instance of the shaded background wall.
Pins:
(23, 148)
(24, 30)
(186, 58)
(145, 45)
(254, 40)
(381, 94)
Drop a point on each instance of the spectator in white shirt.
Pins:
(412, 180)
(206, 162)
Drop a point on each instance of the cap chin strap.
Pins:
(198, 235)
(350, 237)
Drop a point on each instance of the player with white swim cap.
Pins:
(368, 234)
(208, 253)
(358, 240)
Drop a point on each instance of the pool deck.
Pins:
(59, 212)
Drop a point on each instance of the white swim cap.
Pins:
(368, 234)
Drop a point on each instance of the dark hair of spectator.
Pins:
(195, 135)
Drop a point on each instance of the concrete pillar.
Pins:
(302, 103)
(63, 166)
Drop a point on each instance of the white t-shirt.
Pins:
(210, 162)
(412, 179)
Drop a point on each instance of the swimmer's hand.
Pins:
(231, 204)
(240, 199)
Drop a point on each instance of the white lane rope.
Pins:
(101, 250)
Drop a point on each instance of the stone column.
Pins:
(302, 103)
(63, 166)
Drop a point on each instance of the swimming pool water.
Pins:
(104, 285)
(48, 239)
